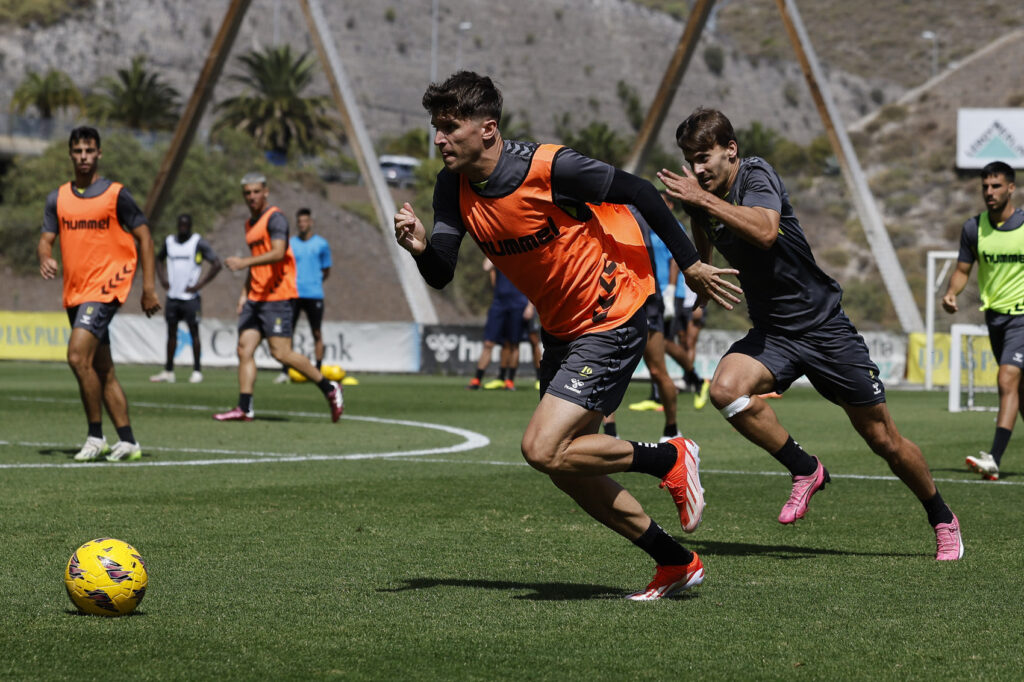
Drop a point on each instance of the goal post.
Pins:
(948, 259)
(971, 361)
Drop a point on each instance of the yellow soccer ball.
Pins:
(106, 577)
(295, 375)
(332, 372)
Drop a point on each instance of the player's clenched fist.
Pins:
(409, 231)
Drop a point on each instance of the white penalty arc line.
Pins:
(471, 441)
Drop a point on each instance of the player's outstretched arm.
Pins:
(48, 267)
(957, 282)
(409, 231)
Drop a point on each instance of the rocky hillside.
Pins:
(566, 56)
(549, 56)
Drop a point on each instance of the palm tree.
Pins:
(47, 93)
(137, 98)
(274, 111)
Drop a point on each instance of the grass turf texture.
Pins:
(470, 565)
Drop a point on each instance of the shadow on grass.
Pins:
(76, 612)
(51, 452)
(787, 552)
(972, 476)
(536, 591)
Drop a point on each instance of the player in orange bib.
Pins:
(103, 238)
(265, 305)
(560, 227)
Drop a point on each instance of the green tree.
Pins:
(515, 126)
(47, 93)
(274, 111)
(597, 140)
(630, 101)
(413, 142)
(757, 140)
(136, 98)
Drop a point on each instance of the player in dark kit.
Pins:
(740, 206)
(504, 326)
(555, 223)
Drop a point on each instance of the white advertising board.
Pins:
(355, 346)
(986, 135)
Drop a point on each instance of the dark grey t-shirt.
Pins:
(128, 212)
(787, 293)
(277, 226)
(969, 234)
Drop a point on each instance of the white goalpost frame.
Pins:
(957, 332)
(933, 281)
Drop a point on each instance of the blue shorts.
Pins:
(94, 317)
(833, 356)
(504, 323)
(1006, 334)
(594, 370)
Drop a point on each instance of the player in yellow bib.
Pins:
(995, 238)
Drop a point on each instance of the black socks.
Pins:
(999, 443)
(938, 511)
(793, 457)
(656, 459)
(662, 547)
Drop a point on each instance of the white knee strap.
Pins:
(735, 407)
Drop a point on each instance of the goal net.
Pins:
(972, 367)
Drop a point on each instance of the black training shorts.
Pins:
(833, 356)
(94, 317)
(594, 370)
(270, 318)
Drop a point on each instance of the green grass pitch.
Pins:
(387, 547)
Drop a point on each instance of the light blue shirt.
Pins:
(311, 257)
(663, 260)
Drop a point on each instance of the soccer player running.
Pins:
(504, 326)
(995, 239)
(740, 206)
(179, 266)
(104, 238)
(265, 305)
(555, 222)
(313, 267)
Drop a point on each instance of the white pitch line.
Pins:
(471, 441)
(736, 472)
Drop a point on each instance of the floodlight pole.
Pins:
(871, 219)
(669, 84)
(412, 283)
(189, 121)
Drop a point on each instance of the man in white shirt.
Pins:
(179, 266)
